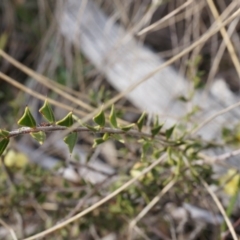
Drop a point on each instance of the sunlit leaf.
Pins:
(47, 112)
(66, 121)
(97, 141)
(94, 129)
(113, 118)
(100, 119)
(71, 140)
(4, 133)
(39, 136)
(105, 136)
(127, 127)
(3, 144)
(27, 120)
(141, 121)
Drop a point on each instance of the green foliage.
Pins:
(71, 140)
(3, 145)
(169, 132)
(127, 127)
(179, 165)
(47, 112)
(39, 136)
(100, 119)
(141, 120)
(27, 120)
(67, 121)
(98, 141)
(113, 118)
(4, 133)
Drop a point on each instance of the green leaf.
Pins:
(113, 118)
(47, 112)
(105, 136)
(4, 133)
(100, 119)
(141, 121)
(3, 144)
(27, 120)
(128, 127)
(169, 131)
(155, 130)
(90, 128)
(66, 121)
(39, 136)
(71, 140)
(118, 138)
(97, 141)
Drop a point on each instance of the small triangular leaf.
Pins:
(141, 121)
(100, 119)
(3, 144)
(27, 120)
(66, 121)
(90, 128)
(39, 136)
(169, 131)
(118, 138)
(113, 118)
(71, 140)
(105, 136)
(128, 127)
(47, 112)
(155, 130)
(97, 141)
(4, 133)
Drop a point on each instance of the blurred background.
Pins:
(83, 49)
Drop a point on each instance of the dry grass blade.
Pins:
(154, 26)
(226, 38)
(45, 81)
(215, 115)
(154, 201)
(221, 209)
(38, 95)
(203, 39)
(14, 237)
(96, 205)
(218, 57)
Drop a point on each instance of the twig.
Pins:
(54, 128)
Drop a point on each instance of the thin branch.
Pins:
(54, 128)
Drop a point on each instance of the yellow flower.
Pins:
(15, 159)
(232, 182)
